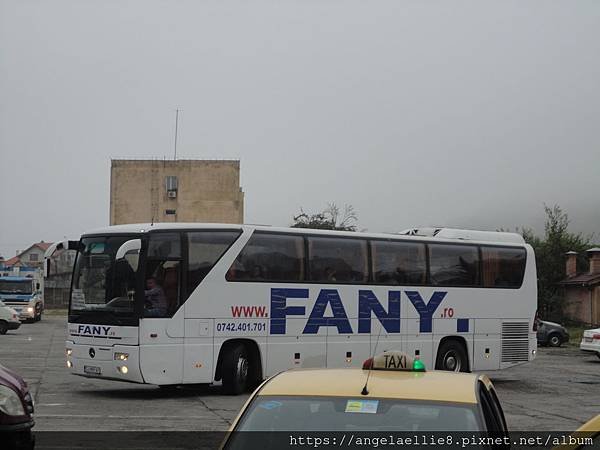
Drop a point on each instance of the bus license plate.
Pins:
(587, 339)
(92, 370)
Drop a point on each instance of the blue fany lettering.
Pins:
(368, 305)
(93, 330)
(339, 318)
(425, 310)
(279, 310)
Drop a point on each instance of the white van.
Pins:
(9, 319)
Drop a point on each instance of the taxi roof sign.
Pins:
(394, 360)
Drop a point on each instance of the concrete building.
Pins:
(582, 290)
(175, 191)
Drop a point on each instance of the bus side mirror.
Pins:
(130, 248)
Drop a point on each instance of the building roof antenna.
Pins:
(176, 129)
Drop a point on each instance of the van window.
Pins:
(270, 257)
(454, 265)
(503, 267)
(334, 260)
(398, 263)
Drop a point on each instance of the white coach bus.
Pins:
(171, 304)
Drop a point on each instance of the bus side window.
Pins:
(454, 265)
(334, 260)
(205, 248)
(398, 263)
(270, 257)
(503, 267)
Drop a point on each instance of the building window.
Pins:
(171, 183)
(33, 257)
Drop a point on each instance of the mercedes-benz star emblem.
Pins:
(92, 352)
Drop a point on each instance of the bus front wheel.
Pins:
(235, 370)
(452, 356)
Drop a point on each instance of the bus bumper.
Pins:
(119, 362)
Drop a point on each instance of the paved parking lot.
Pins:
(558, 391)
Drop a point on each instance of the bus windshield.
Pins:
(101, 283)
(16, 287)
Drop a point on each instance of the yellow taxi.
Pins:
(391, 393)
(585, 437)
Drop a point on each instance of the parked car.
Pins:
(391, 393)
(16, 412)
(9, 319)
(551, 333)
(590, 341)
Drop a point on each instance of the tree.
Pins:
(550, 258)
(331, 218)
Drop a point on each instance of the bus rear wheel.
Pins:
(452, 357)
(235, 369)
(3, 327)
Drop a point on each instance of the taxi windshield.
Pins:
(280, 413)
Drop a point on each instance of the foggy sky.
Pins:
(470, 114)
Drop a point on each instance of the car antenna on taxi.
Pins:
(365, 389)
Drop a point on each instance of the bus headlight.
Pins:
(123, 369)
(30, 309)
(10, 403)
(121, 356)
(69, 365)
(69, 351)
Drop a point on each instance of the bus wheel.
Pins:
(235, 370)
(452, 356)
(3, 327)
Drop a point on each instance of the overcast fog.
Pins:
(469, 114)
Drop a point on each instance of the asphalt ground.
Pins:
(558, 391)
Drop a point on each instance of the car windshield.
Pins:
(269, 413)
(101, 283)
(16, 287)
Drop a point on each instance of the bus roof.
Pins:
(443, 234)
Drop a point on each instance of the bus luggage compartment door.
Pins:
(198, 354)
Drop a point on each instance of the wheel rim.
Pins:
(242, 369)
(452, 362)
(554, 340)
